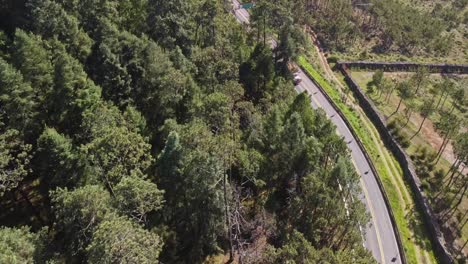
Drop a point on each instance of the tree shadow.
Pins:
(420, 233)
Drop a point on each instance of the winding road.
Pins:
(379, 236)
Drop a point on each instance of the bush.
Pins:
(391, 125)
(399, 136)
(405, 142)
(425, 185)
(439, 174)
(332, 59)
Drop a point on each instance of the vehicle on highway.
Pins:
(297, 79)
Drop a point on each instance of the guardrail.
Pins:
(407, 165)
(405, 66)
(371, 164)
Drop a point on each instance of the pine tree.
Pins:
(118, 240)
(50, 20)
(15, 156)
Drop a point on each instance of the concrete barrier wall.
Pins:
(422, 202)
(404, 66)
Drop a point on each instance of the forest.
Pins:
(147, 131)
(429, 30)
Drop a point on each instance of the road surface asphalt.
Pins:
(379, 237)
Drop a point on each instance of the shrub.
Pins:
(391, 125)
(439, 174)
(332, 59)
(425, 185)
(405, 142)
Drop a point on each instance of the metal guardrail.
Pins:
(371, 164)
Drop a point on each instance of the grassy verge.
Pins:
(430, 178)
(408, 224)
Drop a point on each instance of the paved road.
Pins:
(379, 235)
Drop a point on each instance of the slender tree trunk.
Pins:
(455, 164)
(454, 171)
(463, 247)
(343, 235)
(440, 155)
(417, 88)
(454, 178)
(419, 129)
(228, 219)
(443, 146)
(407, 120)
(326, 158)
(466, 220)
(453, 108)
(440, 99)
(264, 30)
(445, 99)
(389, 95)
(443, 143)
(464, 188)
(398, 107)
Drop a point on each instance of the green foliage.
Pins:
(287, 50)
(424, 162)
(377, 78)
(15, 156)
(33, 61)
(17, 245)
(19, 104)
(58, 162)
(448, 125)
(379, 26)
(50, 20)
(427, 108)
(297, 249)
(404, 90)
(258, 72)
(195, 169)
(137, 197)
(119, 240)
(134, 70)
(398, 134)
(91, 12)
(73, 93)
(216, 111)
(333, 220)
(133, 14)
(77, 215)
(114, 151)
(235, 148)
(460, 146)
(359, 127)
(405, 26)
(301, 105)
(168, 23)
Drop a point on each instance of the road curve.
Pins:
(379, 235)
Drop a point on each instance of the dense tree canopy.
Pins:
(374, 26)
(140, 131)
(17, 245)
